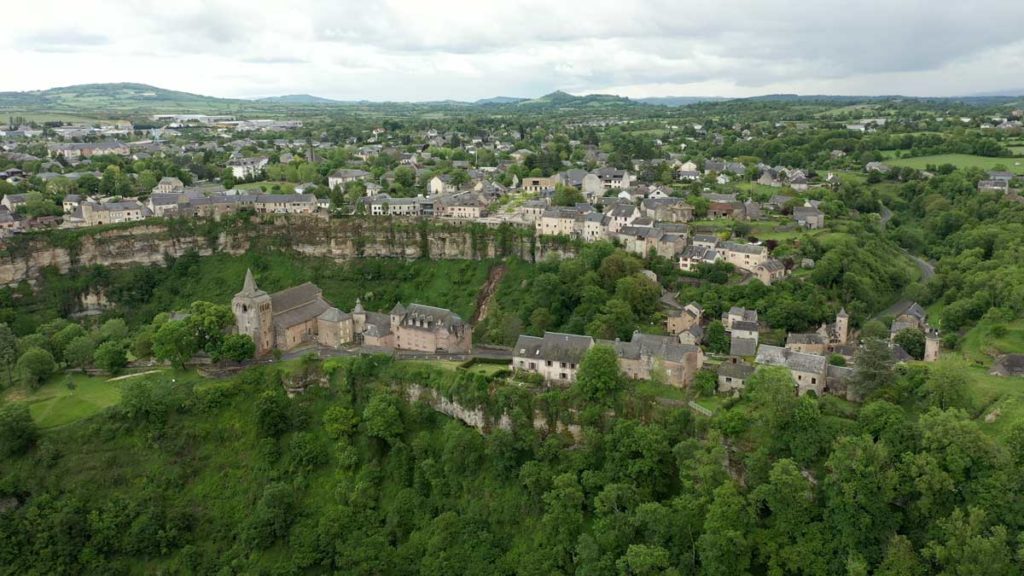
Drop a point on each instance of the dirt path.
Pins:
(483, 299)
(126, 376)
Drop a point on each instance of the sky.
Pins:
(417, 50)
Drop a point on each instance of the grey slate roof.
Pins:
(737, 370)
(742, 346)
(294, 297)
(799, 361)
(554, 346)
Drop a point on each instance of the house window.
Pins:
(563, 376)
(814, 380)
(547, 363)
(799, 377)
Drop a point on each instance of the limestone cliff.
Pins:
(24, 257)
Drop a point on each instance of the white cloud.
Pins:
(426, 50)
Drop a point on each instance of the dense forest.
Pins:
(233, 476)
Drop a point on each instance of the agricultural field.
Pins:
(960, 161)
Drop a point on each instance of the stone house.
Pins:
(694, 255)
(738, 314)
(247, 168)
(168, 185)
(809, 343)
(691, 315)
(647, 353)
(556, 356)
(342, 176)
(620, 216)
(733, 375)
(667, 209)
(809, 371)
(644, 241)
(809, 217)
(770, 271)
(743, 256)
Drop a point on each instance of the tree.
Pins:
(716, 338)
(900, 559)
(272, 418)
(35, 366)
(791, 527)
(114, 329)
(725, 547)
(599, 378)
(971, 545)
(142, 344)
(874, 367)
(175, 342)
(227, 179)
(383, 419)
(640, 292)
(340, 421)
(79, 352)
(207, 322)
(8, 349)
(566, 196)
(111, 356)
(911, 340)
(616, 320)
(17, 429)
(643, 560)
(238, 347)
(860, 490)
(947, 385)
(60, 340)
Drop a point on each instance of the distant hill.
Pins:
(298, 99)
(680, 100)
(113, 99)
(560, 99)
(499, 100)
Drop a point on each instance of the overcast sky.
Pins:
(465, 50)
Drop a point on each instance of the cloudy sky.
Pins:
(461, 49)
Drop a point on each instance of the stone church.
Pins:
(300, 315)
(288, 318)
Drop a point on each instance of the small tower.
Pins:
(358, 319)
(932, 345)
(397, 313)
(842, 326)
(254, 314)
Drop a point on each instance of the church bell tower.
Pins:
(254, 314)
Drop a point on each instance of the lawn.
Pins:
(988, 339)
(57, 404)
(997, 393)
(960, 161)
(661, 390)
(285, 187)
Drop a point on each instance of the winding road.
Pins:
(927, 272)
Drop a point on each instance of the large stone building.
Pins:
(300, 315)
(289, 318)
(557, 357)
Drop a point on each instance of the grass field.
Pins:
(286, 187)
(986, 340)
(57, 404)
(1002, 395)
(960, 161)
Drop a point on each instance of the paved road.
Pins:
(886, 215)
(926, 267)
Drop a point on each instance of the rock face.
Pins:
(23, 258)
(476, 418)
